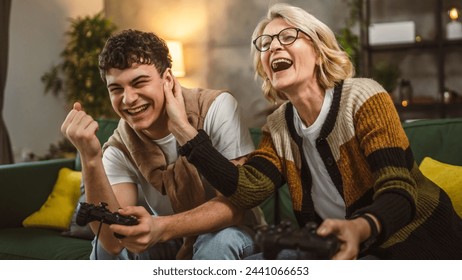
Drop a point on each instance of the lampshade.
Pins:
(176, 51)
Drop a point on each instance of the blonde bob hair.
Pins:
(334, 65)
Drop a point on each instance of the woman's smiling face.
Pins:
(288, 67)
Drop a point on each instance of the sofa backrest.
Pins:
(440, 139)
(25, 187)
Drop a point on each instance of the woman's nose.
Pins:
(275, 44)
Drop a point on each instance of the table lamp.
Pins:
(454, 28)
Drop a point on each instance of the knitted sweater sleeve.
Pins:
(387, 151)
(246, 185)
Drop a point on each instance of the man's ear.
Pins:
(168, 78)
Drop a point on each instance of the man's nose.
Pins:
(130, 96)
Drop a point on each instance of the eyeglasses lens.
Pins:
(285, 37)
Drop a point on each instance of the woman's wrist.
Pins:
(186, 148)
(369, 229)
(374, 228)
(184, 133)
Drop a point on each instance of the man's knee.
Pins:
(160, 251)
(229, 243)
(99, 253)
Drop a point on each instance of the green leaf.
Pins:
(77, 76)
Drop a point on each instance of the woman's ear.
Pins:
(318, 61)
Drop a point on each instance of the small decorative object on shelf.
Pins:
(450, 96)
(435, 55)
(392, 33)
(454, 28)
(405, 92)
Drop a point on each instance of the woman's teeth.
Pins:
(281, 64)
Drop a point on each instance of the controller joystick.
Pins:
(89, 212)
(274, 238)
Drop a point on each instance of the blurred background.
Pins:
(215, 39)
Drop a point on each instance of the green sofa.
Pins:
(26, 186)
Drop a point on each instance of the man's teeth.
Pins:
(137, 109)
(281, 64)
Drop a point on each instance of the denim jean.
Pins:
(285, 254)
(288, 254)
(231, 243)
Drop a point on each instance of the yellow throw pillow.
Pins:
(56, 212)
(448, 177)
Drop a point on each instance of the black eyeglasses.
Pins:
(286, 37)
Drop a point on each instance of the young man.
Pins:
(188, 218)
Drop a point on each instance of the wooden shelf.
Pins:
(401, 47)
(435, 50)
(449, 43)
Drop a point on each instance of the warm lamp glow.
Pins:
(453, 14)
(454, 28)
(176, 51)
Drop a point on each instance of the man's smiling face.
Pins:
(137, 96)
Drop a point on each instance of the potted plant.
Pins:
(77, 76)
(347, 39)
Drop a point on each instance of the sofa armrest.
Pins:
(25, 187)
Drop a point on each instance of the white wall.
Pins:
(216, 37)
(37, 37)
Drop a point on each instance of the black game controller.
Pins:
(89, 212)
(273, 239)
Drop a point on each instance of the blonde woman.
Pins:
(339, 145)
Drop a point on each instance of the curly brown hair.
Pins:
(133, 46)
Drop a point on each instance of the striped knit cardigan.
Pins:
(367, 155)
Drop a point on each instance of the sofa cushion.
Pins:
(448, 177)
(41, 244)
(75, 230)
(279, 208)
(57, 210)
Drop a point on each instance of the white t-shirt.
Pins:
(222, 123)
(328, 202)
